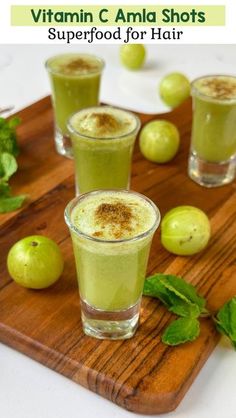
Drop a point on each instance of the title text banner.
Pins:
(88, 15)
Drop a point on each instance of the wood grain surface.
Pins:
(140, 374)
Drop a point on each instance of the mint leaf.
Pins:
(181, 331)
(182, 289)
(8, 138)
(8, 166)
(5, 190)
(8, 204)
(14, 122)
(3, 122)
(178, 296)
(226, 320)
(154, 288)
(185, 309)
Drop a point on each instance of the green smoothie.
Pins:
(214, 118)
(111, 233)
(75, 81)
(103, 138)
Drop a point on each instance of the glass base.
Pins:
(63, 144)
(211, 174)
(117, 325)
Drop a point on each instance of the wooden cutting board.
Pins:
(140, 374)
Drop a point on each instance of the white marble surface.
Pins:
(29, 390)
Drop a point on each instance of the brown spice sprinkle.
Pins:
(220, 88)
(118, 214)
(98, 234)
(78, 64)
(105, 122)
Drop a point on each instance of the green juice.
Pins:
(112, 248)
(75, 83)
(111, 281)
(102, 139)
(214, 118)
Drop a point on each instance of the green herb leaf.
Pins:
(179, 296)
(181, 331)
(184, 290)
(153, 287)
(185, 309)
(8, 138)
(226, 320)
(3, 122)
(8, 166)
(5, 190)
(14, 122)
(8, 204)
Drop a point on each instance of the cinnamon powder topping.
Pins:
(78, 65)
(97, 234)
(118, 214)
(220, 88)
(105, 122)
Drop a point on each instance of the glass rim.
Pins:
(72, 227)
(76, 54)
(195, 91)
(72, 130)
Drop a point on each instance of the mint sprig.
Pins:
(177, 295)
(8, 137)
(10, 203)
(8, 165)
(181, 330)
(182, 299)
(226, 320)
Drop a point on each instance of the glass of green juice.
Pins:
(102, 138)
(75, 83)
(111, 232)
(212, 159)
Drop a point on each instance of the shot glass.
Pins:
(111, 272)
(75, 83)
(102, 149)
(213, 143)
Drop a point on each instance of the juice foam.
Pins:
(217, 87)
(103, 122)
(113, 215)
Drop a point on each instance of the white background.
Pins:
(192, 34)
(23, 78)
(29, 390)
